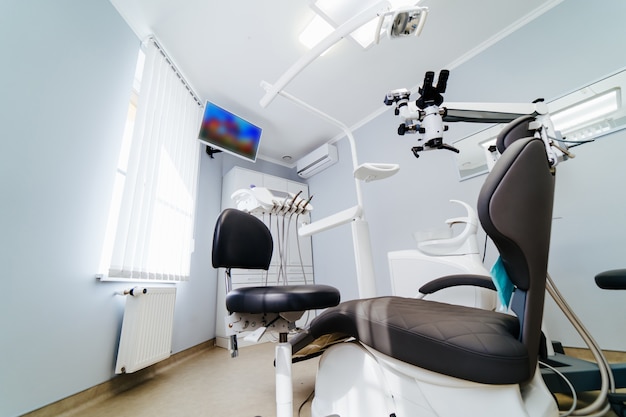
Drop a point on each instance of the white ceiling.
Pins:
(226, 48)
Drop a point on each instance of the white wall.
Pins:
(570, 46)
(65, 84)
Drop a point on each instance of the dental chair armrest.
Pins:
(614, 279)
(474, 280)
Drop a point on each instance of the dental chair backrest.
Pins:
(515, 210)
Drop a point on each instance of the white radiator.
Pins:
(146, 336)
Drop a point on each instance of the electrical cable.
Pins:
(485, 248)
(574, 142)
(308, 315)
(267, 272)
(287, 236)
(286, 243)
(306, 400)
(280, 251)
(569, 385)
(286, 248)
(300, 251)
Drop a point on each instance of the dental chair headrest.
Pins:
(515, 130)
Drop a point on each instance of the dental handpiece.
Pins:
(293, 200)
(304, 206)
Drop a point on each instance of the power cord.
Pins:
(569, 385)
(309, 398)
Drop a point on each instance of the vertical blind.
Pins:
(154, 236)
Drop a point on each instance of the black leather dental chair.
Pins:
(489, 347)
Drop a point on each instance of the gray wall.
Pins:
(568, 47)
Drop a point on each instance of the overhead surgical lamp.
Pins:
(403, 22)
(331, 14)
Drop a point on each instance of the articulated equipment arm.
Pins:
(426, 116)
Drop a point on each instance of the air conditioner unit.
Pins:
(316, 161)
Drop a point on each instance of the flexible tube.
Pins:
(300, 252)
(606, 375)
(569, 385)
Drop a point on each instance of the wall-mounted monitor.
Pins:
(230, 133)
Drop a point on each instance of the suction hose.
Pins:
(606, 375)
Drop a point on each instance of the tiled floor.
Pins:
(212, 384)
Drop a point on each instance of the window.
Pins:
(150, 229)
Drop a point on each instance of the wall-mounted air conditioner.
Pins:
(316, 161)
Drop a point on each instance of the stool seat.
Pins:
(281, 299)
(614, 279)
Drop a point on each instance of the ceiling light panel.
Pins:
(339, 11)
(591, 110)
(317, 30)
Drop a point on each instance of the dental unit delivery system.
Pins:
(282, 206)
(260, 200)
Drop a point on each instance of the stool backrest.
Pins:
(241, 240)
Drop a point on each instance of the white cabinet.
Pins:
(297, 260)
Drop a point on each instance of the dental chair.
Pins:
(241, 240)
(413, 357)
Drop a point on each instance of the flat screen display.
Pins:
(230, 133)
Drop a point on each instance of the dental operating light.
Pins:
(402, 18)
(401, 23)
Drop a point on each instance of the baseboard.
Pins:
(71, 405)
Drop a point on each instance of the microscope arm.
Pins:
(475, 112)
(491, 112)
(426, 116)
(429, 123)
